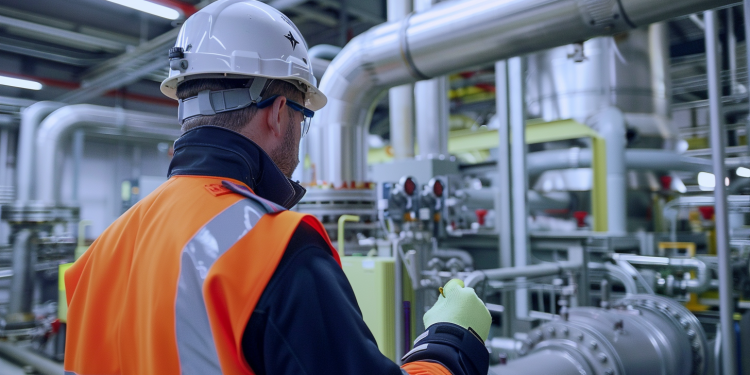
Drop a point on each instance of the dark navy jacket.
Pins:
(307, 321)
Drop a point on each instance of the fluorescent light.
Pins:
(706, 181)
(743, 172)
(150, 8)
(22, 83)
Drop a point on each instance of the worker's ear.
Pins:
(274, 119)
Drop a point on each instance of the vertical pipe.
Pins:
(398, 320)
(518, 174)
(19, 306)
(732, 51)
(4, 142)
(503, 201)
(78, 138)
(611, 124)
(431, 108)
(401, 98)
(726, 300)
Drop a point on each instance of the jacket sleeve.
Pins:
(308, 322)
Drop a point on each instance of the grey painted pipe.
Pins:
(59, 125)
(536, 270)
(463, 255)
(31, 117)
(485, 198)
(617, 274)
(635, 159)
(451, 36)
(717, 137)
(611, 125)
(22, 355)
(700, 284)
(547, 361)
(21, 284)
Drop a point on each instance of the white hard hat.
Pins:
(242, 39)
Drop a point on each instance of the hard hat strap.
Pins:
(209, 103)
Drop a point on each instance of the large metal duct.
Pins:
(451, 36)
(640, 335)
(104, 120)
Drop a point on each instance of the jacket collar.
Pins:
(219, 152)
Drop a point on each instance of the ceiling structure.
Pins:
(100, 52)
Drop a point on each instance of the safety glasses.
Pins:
(307, 114)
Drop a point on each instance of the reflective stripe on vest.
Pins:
(197, 353)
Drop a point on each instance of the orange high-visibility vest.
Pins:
(169, 287)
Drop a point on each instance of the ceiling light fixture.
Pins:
(21, 83)
(743, 172)
(150, 8)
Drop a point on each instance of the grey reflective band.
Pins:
(209, 103)
(195, 344)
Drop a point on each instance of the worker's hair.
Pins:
(232, 120)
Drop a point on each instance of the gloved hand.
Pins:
(461, 306)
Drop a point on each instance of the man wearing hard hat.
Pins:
(211, 273)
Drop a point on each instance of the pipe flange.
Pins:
(680, 316)
(578, 340)
(604, 15)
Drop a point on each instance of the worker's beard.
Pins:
(286, 156)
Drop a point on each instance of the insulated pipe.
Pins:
(58, 126)
(635, 159)
(617, 274)
(451, 36)
(506, 274)
(717, 138)
(700, 284)
(31, 117)
(485, 198)
(400, 99)
(611, 126)
(503, 221)
(41, 364)
(320, 57)
(431, 108)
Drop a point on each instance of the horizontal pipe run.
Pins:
(542, 161)
(22, 355)
(700, 284)
(536, 270)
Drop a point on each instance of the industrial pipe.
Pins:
(451, 36)
(22, 282)
(700, 284)
(400, 98)
(320, 57)
(41, 364)
(115, 121)
(635, 159)
(31, 117)
(536, 270)
(485, 198)
(611, 126)
(717, 138)
(618, 274)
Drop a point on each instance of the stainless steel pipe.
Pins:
(536, 270)
(700, 284)
(717, 138)
(118, 122)
(451, 36)
(31, 117)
